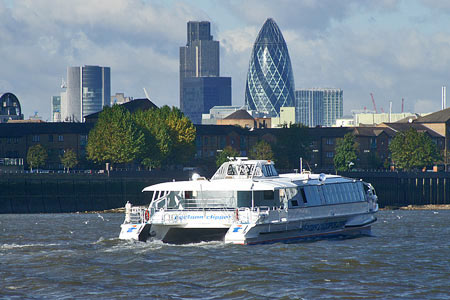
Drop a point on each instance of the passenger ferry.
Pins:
(248, 202)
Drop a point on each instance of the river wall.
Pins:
(59, 193)
(396, 189)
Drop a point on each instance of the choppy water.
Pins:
(58, 256)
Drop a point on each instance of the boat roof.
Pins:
(221, 185)
(248, 184)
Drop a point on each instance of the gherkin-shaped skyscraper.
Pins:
(270, 81)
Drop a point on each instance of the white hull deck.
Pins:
(260, 226)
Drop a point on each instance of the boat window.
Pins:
(312, 194)
(269, 170)
(360, 190)
(302, 192)
(321, 191)
(188, 195)
(258, 172)
(268, 195)
(294, 202)
(231, 170)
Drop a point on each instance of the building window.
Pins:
(330, 141)
(60, 138)
(373, 143)
(329, 154)
(36, 138)
(50, 138)
(83, 140)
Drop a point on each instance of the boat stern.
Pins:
(137, 232)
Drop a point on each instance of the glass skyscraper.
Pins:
(201, 86)
(319, 106)
(270, 81)
(88, 91)
(309, 107)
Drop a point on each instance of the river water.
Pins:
(78, 256)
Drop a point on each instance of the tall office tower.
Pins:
(88, 91)
(333, 106)
(318, 106)
(56, 108)
(309, 107)
(201, 86)
(270, 81)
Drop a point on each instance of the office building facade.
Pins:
(270, 80)
(309, 107)
(333, 106)
(88, 91)
(56, 108)
(319, 107)
(200, 73)
(200, 94)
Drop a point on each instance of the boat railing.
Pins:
(134, 214)
(186, 204)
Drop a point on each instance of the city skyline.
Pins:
(393, 49)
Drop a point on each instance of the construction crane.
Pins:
(373, 102)
(403, 104)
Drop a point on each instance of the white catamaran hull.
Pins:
(246, 227)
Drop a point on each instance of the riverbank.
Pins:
(419, 207)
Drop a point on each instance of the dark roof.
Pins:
(21, 129)
(441, 116)
(220, 130)
(373, 131)
(419, 127)
(131, 106)
(408, 119)
(241, 114)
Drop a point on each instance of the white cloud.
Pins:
(140, 41)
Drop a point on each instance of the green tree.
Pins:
(345, 153)
(413, 150)
(292, 143)
(169, 136)
(261, 150)
(115, 137)
(222, 157)
(69, 159)
(36, 156)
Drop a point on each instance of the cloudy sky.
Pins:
(393, 49)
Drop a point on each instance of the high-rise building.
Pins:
(56, 108)
(201, 86)
(319, 107)
(9, 108)
(333, 106)
(88, 91)
(270, 81)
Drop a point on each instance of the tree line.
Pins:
(410, 150)
(164, 136)
(151, 138)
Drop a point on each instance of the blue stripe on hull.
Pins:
(346, 232)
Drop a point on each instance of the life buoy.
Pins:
(147, 215)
